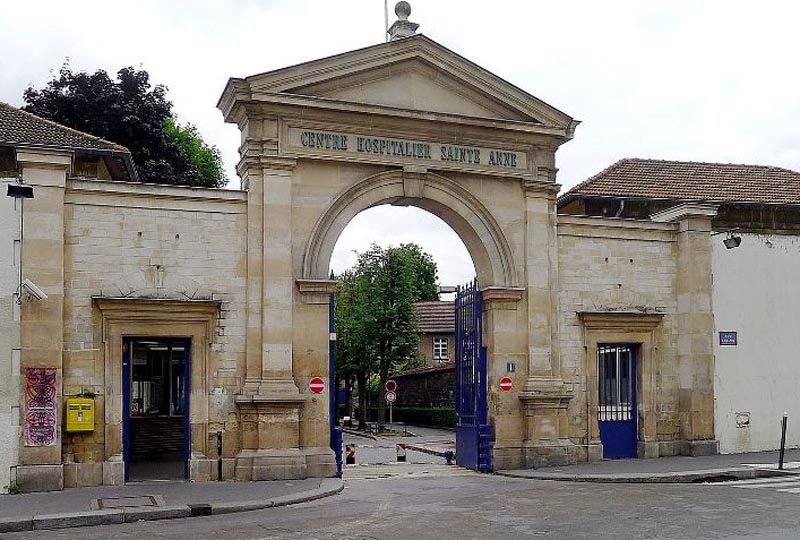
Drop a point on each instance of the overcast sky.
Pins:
(689, 80)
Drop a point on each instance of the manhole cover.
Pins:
(128, 502)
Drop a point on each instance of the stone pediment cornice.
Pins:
(285, 86)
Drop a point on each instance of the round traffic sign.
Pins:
(391, 385)
(316, 385)
(506, 384)
(391, 397)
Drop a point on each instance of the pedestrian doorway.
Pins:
(155, 408)
(617, 400)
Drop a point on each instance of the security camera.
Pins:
(33, 290)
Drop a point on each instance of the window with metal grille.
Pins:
(440, 352)
(615, 374)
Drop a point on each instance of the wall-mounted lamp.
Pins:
(732, 241)
(20, 191)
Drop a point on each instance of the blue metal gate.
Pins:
(474, 434)
(616, 412)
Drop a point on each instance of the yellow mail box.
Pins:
(80, 414)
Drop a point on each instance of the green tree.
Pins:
(376, 322)
(206, 159)
(129, 111)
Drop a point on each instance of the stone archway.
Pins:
(465, 214)
(405, 123)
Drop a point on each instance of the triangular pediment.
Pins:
(414, 74)
(417, 85)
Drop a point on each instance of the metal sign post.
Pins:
(390, 398)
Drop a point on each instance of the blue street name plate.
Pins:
(727, 338)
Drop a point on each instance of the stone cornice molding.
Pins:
(131, 310)
(502, 297)
(546, 394)
(540, 187)
(44, 158)
(620, 321)
(685, 211)
(316, 291)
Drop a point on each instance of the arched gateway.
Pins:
(407, 122)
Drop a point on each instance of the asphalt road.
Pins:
(421, 501)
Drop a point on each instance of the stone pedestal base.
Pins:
(285, 464)
(648, 450)
(558, 453)
(507, 458)
(320, 462)
(545, 400)
(32, 478)
(705, 447)
(594, 452)
(271, 464)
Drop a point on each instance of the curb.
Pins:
(425, 450)
(328, 487)
(683, 477)
(359, 434)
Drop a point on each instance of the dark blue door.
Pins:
(617, 400)
(474, 434)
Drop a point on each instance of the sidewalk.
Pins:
(678, 469)
(146, 501)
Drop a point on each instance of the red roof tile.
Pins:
(688, 180)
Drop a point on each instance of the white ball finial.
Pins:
(402, 10)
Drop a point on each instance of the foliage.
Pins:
(131, 112)
(376, 323)
(206, 159)
(13, 488)
(421, 416)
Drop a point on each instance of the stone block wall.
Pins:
(625, 266)
(155, 242)
(9, 335)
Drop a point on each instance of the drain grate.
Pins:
(127, 502)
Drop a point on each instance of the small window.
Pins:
(440, 352)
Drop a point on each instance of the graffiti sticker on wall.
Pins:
(40, 406)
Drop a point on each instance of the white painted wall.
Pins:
(757, 294)
(9, 335)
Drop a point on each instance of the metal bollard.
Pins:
(448, 455)
(219, 456)
(783, 440)
(401, 452)
(350, 455)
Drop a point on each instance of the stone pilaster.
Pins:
(270, 403)
(504, 338)
(42, 321)
(695, 319)
(545, 396)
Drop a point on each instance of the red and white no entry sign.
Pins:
(316, 385)
(506, 384)
(391, 397)
(391, 385)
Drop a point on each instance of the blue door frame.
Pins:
(126, 402)
(617, 390)
(474, 434)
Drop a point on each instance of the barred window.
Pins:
(440, 352)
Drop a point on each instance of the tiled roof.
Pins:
(694, 181)
(18, 127)
(441, 366)
(436, 317)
